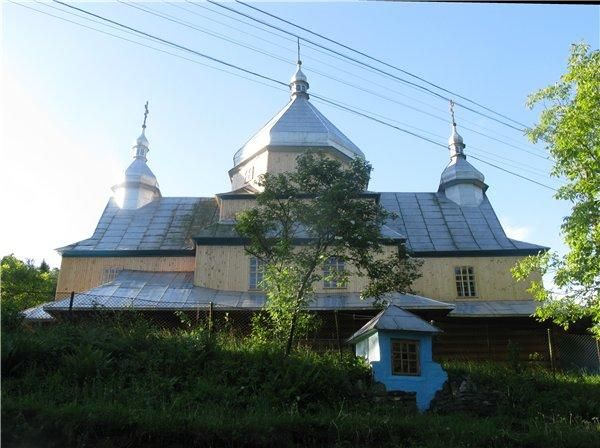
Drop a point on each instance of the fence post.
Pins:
(550, 349)
(71, 304)
(337, 332)
(210, 318)
(197, 314)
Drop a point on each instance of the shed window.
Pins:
(256, 273)
(331, 267)
(405, 357)
(465, 281)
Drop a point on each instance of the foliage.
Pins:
(315, 214)
(570, 127)
(136, 385)
(24, 285)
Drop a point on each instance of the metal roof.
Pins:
(298, 124)
(164, 224)
(432, 223)
(394, 318)
(37, 314)
(141, 290)
(496, 308)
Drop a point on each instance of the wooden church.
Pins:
(163, 254)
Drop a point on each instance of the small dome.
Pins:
(142, 140)
(299, 75)
(455, 138)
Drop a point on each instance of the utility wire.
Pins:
(329, 54)
(379, 60)
(418, 86)
(385, 123)
(181, 47)
(286, 60)
(133, 41)
(322, 99)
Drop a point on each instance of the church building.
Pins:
(163, 254)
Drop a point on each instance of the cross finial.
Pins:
(146, 111)
(452, 113)
(299, 61)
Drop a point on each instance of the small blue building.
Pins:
(397, 344)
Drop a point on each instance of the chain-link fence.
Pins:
(577, 352)
(333, 329)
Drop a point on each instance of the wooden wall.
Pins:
(82, 273)
(493, 280)
(227, 268)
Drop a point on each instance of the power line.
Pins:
(323, 99)
(378, 60)
(377, 120)
(181, 47)
(418, 86)
(280, 58)
(133, 41)
(329, 54)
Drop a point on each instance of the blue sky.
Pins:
(73, 103)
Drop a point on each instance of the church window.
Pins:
(109, 274)
(405, 357)
(333, 266)
(256, 273)
(465, 281)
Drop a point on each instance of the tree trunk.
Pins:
(288, 347)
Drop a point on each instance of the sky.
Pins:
(73, 98)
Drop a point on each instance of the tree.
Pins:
(570, 127)
(311, 216)
(23, 285)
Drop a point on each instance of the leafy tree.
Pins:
(570, 127)
(23, 285)
(305, 218)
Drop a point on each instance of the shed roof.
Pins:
(394, 318)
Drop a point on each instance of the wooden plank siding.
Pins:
(83, 273)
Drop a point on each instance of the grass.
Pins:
(128, 384)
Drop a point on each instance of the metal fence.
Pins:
(577, 352)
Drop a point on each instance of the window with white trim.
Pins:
(405, 357)
(331, 267)
(256, 273)
(465, 281)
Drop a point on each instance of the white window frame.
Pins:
(464, 277)
(333, 264)
(255, 274)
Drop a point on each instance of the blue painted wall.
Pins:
(377, 349)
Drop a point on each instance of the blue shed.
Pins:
(397, 344)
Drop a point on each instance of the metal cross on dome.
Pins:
(452, 112)
(145, 114)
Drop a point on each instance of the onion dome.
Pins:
(461, 182)
(140, 185)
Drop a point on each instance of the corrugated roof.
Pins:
(433, 223)
(166, 224)
(175, 291)
(394, 318)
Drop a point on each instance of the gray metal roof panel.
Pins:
(166, 223)
(394, 318)
(173, 290)
(495, 308)
(449, 227)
